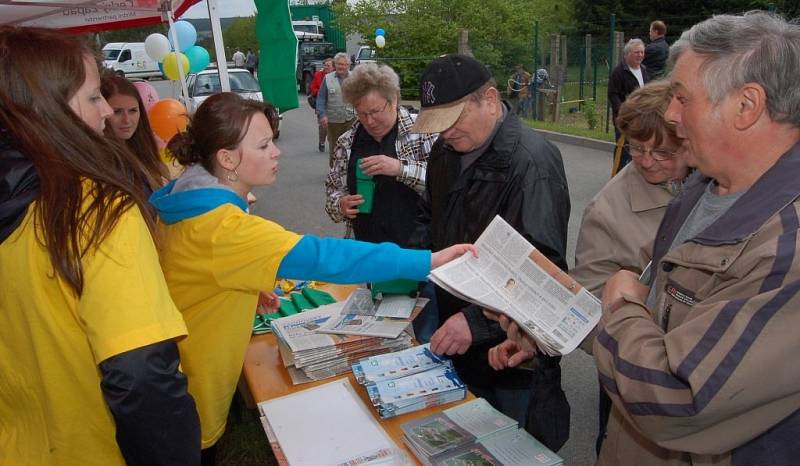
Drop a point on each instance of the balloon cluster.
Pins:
(380, 39)
(193, 57)
(167, 117)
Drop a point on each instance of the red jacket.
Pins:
(316, 83)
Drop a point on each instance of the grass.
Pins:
(575, 125)
(244, 442)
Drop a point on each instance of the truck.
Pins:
(129, 59)
(308, 30)
(310, 55)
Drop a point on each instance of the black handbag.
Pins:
(312, 101)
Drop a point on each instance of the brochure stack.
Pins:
(410, 380)
(474, 433)
(310, 355)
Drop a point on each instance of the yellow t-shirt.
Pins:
(215, 265)
(52, 410)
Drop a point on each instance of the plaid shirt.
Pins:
(412, 149)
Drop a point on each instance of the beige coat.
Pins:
(710, 376)
(617, 224)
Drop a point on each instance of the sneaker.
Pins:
(322, 147)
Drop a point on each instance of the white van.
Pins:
(129, 59)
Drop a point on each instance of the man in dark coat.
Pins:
(486, 162)
(626, 77)
(657, 51)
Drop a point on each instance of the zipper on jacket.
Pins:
(665, 317)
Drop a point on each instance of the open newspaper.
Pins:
(512, 277)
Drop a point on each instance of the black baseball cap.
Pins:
(444, 85)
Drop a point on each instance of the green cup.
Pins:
(367, 190)
(365, 185)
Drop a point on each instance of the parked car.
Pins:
(366, 54)
(205, 83)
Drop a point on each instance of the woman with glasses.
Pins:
(381, 144)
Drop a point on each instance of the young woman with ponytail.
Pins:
(217, 257)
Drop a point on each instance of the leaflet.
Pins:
(399, 364)
(437, 380)
(364, 325)
(512, 277)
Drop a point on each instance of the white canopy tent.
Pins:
(103, 15)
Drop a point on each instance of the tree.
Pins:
(500, 31)
(241, 34)
(633, 18)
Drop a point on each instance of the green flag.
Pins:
(277, 62)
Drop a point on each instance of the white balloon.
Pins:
(380, 41)
(156, 46)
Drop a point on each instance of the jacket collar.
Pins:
(644, 196)
(776, 189)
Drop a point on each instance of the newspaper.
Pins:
(361, 302)
(512, 277)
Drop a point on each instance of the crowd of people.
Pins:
(124, 336)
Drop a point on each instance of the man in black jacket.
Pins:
(626, 77)
(657, 51)
(486, 162)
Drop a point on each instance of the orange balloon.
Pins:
(168, 117)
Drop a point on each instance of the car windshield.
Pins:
(366, 54)
(306, 28)
(208, 84)
(110, 54)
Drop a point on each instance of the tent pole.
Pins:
(219, 46)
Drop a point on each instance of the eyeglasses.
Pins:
(371, 114)
(657, 154)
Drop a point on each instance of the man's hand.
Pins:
(447, 254)
(508, 354)
(381, 165)
(523, 341)
(454, 337)
(323, 120)
(622, 283)
(349, 205)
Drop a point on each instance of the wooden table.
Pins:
(267, 378)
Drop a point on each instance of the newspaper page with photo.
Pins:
(512, 277)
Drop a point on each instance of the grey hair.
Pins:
(756, 47)
(369, 77)
(341, 55)
(629, 46)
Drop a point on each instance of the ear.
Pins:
(492, 96)
(227, 159)
(751, 105)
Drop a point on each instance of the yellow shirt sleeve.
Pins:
(125, 303)
(247, 251)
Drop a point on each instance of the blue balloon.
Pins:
(187, 35)
(198, 58)
(380, 32)
(161, 69)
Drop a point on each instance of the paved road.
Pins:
(296, 201)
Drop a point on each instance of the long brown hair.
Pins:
(40, 71)
(142, 142)
(221, 122)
